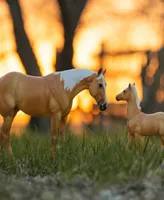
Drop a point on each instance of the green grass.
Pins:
(101, 157)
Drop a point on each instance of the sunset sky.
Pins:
(122, 25)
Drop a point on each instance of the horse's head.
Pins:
(97, 89)
(126, 94)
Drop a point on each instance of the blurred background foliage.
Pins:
(126, 37)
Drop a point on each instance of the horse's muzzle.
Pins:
(103, 105)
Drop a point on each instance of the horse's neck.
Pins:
(82, 85)
(132, 109)
(72, 77)
(75, 80)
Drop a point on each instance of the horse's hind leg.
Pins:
(55, 123)
(5, 131)
(62, 128)
(138, 140)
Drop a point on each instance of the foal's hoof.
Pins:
(52, 154)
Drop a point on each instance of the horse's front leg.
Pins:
(5, 130)
(55, 122)
(62, 128)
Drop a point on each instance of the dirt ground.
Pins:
(80, 188)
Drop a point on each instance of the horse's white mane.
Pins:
(133, 87)
(73, 77)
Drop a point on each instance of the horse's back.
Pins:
(151, 123)
(8, 78)
(157, 115)
(14, 80)
(20, 90)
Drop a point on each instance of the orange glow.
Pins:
(85, 101)
(121, 64)
(124, 6)
(12, 63)
(143, 36)
(45, 51)
(115, 85)
(75, 103)
(84, 55)
(20, 121)
(160, 96)
(153, 66)
(95, 111)
(101, 22)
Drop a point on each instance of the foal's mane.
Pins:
(136, 96)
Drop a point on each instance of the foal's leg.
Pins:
(1, 137)
(62, 128)
(161, 134)
(130, 139)
(6, 126)
(138, 140)
(55, 122)
(162, 140)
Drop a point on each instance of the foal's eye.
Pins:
(124, 91)
(100, 85)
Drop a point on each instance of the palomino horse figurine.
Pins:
(50, 95)
(139, 123)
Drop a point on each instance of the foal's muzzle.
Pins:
(117, 98)
(103, 105)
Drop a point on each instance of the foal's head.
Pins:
(130, 93)
(97, 89)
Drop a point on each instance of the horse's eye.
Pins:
(100, 85)
(124, 91)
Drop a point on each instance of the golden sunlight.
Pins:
(45, 51)
(97, 25)
(85, 47)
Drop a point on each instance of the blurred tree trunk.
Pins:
(149, 103)
(70, 13)
(26, 55)
(146, 88)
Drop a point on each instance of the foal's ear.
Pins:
(133, 83)
(130, 86)
(99, 72)
(104, 71)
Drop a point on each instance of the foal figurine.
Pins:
(139, 123)
(50, 95)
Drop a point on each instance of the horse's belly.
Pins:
(35, 108)
(149, 129)
(35, 112)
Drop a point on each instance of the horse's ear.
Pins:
(133, 83)
(104, 71)
(99, 72)
(129, 86)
